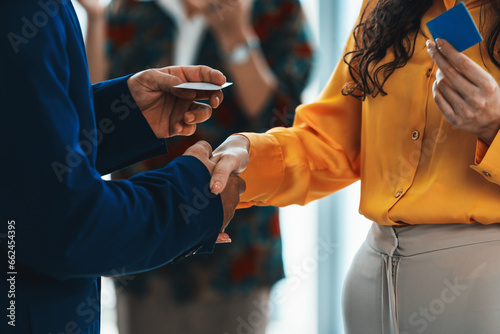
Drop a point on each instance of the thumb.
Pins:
(220, 175)
(223, 238)
(166, 82)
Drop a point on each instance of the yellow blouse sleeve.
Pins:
(318, 155)
(487, 160)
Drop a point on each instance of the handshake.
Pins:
(172, 111)
(224, 164)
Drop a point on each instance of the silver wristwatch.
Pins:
(241, 52)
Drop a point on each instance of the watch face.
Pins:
(240, 54)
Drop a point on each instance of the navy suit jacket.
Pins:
(62, 226)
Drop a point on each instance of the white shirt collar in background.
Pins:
(190, 32)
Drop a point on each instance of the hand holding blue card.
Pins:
(457, 27)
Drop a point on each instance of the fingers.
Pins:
(198, 113)
(453, 68)
(232, 156)
(203, 73)
(455, 65)
(185, 130)
(463, 90)
(190, 8)
(203, 152)
(466, 66)
(226, 165)
(207, 74)
(175, 75)
(242, 186)
(166, 78)
(176, 117)
(442, 86)
(184, 119)
(230, 198)
(196, 6)
(201, 149)
(223, 238)
(443, 104)
(200, 73)
(216, 98)
(166, 83)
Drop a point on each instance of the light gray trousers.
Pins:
(433, 279)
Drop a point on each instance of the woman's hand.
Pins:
(467, 95)
(222, 15)
(174, 111)
(92, 7)
(231, 157)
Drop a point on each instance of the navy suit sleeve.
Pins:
(69, 222)
(128, 138)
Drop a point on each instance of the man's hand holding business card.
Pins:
(174, 111)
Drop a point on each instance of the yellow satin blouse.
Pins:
(414, 166)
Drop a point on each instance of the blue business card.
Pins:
(457, 27)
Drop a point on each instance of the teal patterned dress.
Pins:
(140, 35)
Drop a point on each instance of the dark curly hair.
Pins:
(392, 26)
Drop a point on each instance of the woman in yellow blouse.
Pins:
(417, 122)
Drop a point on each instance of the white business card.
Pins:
(202, 85)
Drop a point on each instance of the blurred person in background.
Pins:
(264, 48)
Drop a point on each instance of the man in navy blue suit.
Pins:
(62, 226)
